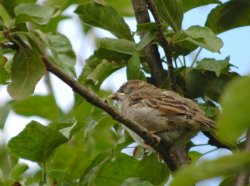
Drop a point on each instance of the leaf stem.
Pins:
(43, 181)
(175, 64)
(182, 64)
(195, 58)
(184, 61)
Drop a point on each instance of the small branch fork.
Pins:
(164, 43)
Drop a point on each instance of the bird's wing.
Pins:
(172, 105)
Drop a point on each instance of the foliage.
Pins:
(85, 146)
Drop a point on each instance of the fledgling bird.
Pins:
(164, 113)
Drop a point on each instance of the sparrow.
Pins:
(175, 119)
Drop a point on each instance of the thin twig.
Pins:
(164, 43)
(151, 52)
(243, 178)
(181, 63)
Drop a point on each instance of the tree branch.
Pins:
(243, 177)
(150, 51)
(162, 148)
(174, 158)
(164, 43)
(91, 97)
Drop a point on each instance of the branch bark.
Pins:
(164, 43)
(243, 177)
(151, 52)
(91, 97)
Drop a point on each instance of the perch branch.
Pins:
(164, 43)
(91, 97)
(151, 52)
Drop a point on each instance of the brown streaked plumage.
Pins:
(165, 113)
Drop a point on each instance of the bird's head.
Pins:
(128, 88)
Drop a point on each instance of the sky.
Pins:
(236, 45)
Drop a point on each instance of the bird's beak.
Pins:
(116, 96)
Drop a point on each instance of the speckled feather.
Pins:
(161, 111)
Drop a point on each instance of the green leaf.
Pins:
(146, 39)
(235, 118)
(227, 165)
(4, 75)
(9, 7)
(4, 112)
(200, 84)
(62, 52)
(228, 181)
(53, 23)
(36, 142)
(10, 4)
(88, 175)
(111, 55)
(190, 4)
(134, 68)
(171, 12)
(43, 106)
(104, 17)
(115, 49)
(196, 36)
(204, 37)
(102, 71)
(6, 19)
(87, 142)
(194, 155)
(63, 4)
(81, 111)
(27, 69)
(90, 65)
(217, 66)
(96, 71)
(123, 7)
(7, 162)
(35, 179)
(209, 108)
(100, 131)
(105, 172)
(17, 171)
(230, 15)
(182, 44)
(69, 160)
(33, 13)
(148, 27)
(136, 181)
